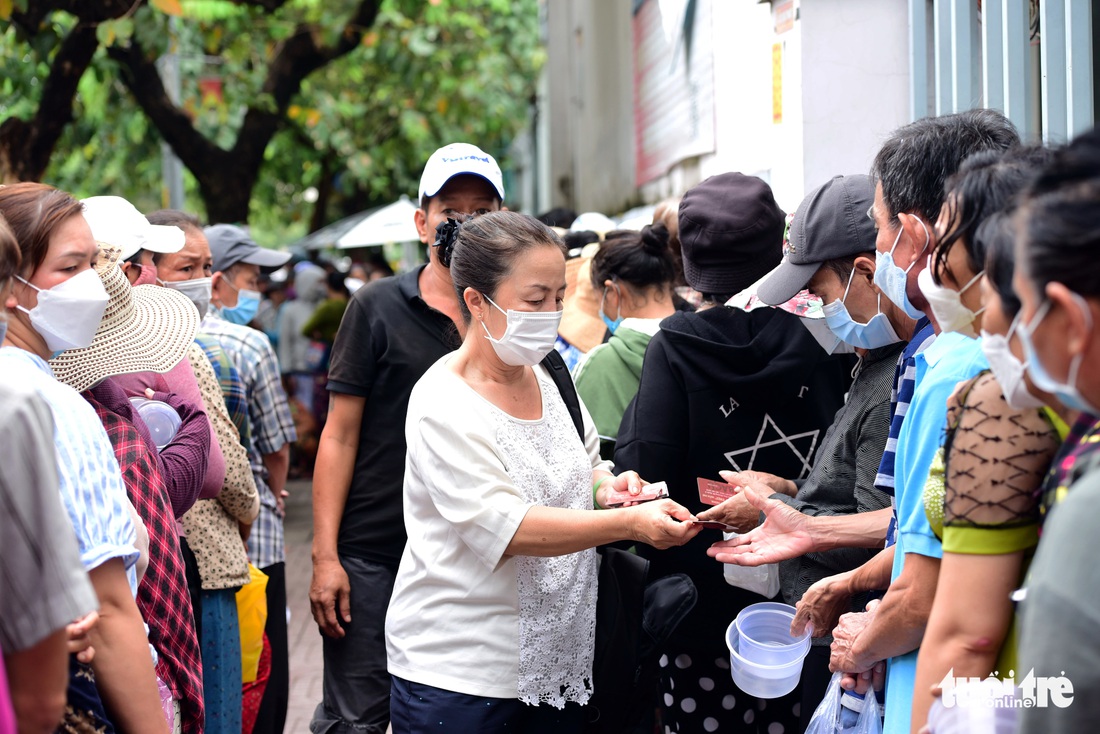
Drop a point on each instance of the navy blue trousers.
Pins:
(417, 708)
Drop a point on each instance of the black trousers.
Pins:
(194, 584)
(272, 716)
(815, 681)
(356, 684)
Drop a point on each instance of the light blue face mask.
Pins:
(878, 332)
(248, 303)
(891, 279)
(612, 324)
(3, 330)
(1066, 392)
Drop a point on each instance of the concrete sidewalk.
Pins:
(305, 641)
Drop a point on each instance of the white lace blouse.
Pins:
(463, 617)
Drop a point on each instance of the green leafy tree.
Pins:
(277, 96)
(48, 45)
(453, 71)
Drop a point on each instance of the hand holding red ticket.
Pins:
(648, 493)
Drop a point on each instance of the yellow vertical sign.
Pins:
(777, 83)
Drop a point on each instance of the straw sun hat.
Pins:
(144, 329)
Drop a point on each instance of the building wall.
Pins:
(843, 86)
(591, 101)
(749, 139)
(855, 83)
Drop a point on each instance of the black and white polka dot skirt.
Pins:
(698, 695)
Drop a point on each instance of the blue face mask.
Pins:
(248, 302)
(1066, 392)
(612, 324)
(878, 332)
(3, 330)
(891, 279)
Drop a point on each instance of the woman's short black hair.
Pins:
(996, 236)
(986, 183)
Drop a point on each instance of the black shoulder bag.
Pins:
(634, 617)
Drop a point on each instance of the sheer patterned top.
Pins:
(981, 494)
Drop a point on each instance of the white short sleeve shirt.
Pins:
(463, 616)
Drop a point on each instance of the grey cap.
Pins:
(229, 245)
(830, 223)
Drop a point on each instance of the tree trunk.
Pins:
(324, 192)
(226, 177)
(27, 145)
(227, 198)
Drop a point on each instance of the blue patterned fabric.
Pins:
(271, 423)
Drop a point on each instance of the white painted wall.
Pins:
(746, 140)
(855, 88)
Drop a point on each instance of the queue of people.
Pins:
(867, 378)
(145, 464)
(890, 395)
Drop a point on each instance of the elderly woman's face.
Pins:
(535, 283)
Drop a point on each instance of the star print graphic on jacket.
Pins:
(801, 445)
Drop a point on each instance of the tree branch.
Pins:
(38, 137)
(226, 177)
(139, 73)
(86, 12)
(296, 58)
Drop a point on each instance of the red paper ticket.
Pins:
(714, 493)
(714, 525)
(655, 491)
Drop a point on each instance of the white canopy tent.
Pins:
(392, 223)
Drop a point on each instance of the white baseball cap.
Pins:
(456, 159)
(117, 222)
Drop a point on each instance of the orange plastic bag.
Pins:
(252, 616)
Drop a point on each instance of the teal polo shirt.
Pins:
(951, 359)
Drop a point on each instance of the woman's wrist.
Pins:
(596, 484)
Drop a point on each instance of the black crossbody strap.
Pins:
(555, 365)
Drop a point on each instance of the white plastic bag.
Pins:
(763, 580)
(828, 717)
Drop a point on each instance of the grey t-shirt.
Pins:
(43, 585)
(1061, 612)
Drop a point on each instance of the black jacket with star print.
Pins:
(727, 389)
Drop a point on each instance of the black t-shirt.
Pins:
(388, 338)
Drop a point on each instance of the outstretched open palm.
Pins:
(783, 535)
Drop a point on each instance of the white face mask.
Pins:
(528, 338)
(1008, 370)
(891, 279)
(67, 316)
(198, 290)
(947, 305)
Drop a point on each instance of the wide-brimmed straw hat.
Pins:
(144, 329)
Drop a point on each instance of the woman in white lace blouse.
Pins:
(491, 623)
